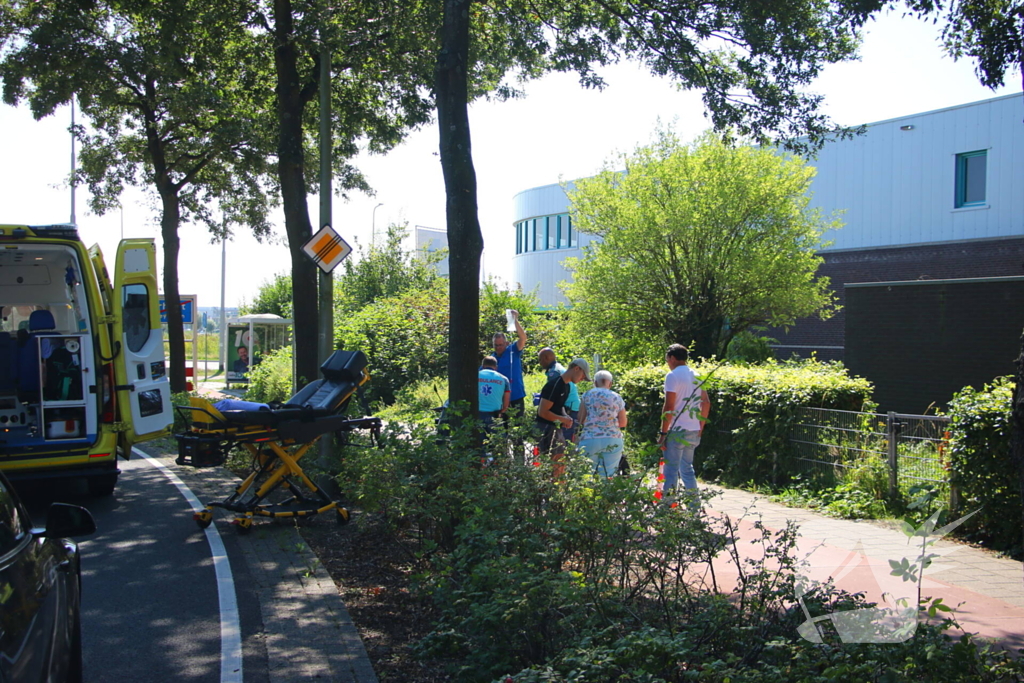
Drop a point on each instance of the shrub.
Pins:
(271, 380)
(753, 411)
(589, 580)
(180, 399)
(405, 338)
(749, 347)
(980, 466)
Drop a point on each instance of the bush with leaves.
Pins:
(271, 379)
(980, 466)
(587, 579)
(405, 338)
(754, 408)
(382, 271)
(181, 419)
(274, 296)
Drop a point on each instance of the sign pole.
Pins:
(326, 303)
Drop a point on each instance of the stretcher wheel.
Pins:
(243, 524)
(203, 519)
(343, 515)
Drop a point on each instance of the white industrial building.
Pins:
(928, 268)
(943, 176)
(430, 240)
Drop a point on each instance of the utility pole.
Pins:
(373, 224)
(74, 161)
(223, 279)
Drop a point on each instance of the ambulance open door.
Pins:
(140, 370)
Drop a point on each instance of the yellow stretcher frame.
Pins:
(278, 468)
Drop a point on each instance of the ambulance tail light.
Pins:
(108, 409)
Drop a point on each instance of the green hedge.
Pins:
(271, 380)
(753, 409)
(980, 466)
(405, 338)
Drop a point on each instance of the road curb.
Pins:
(308, 632)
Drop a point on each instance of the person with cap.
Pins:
(551, 415)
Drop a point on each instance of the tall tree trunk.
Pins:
(465, 243)
(291, 174)
(172, 297)
(1017, 429)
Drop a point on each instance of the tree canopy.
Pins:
(166, 88)
(700, 242)
(384, 270)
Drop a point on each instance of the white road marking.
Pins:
(230, 628)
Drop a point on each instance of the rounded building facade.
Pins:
(544, 238)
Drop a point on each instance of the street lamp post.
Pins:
(373, 225)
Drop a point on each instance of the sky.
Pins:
(557, 132)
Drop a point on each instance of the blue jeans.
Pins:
(679, 448)
(604, 453)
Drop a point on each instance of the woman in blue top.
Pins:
(601, 419)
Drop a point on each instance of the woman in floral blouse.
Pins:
(601, 419)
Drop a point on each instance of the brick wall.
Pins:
(950, 260)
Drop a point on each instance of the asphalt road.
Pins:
(150, 609)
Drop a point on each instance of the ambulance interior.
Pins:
(48, 378)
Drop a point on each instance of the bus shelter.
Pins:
(249, 338)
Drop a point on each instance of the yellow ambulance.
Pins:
(82, 368)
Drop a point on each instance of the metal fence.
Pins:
(913, 447)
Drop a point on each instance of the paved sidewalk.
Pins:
(307, 630)
(987, 590)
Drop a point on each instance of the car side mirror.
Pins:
(64, 520)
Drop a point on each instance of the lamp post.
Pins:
(373, 225)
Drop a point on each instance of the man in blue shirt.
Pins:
(510, 364)
(493, 390)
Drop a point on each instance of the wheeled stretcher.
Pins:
(277, 436)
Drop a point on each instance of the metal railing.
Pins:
(913, 447)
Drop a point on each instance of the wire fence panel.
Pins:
(836, 439)
(921, 447)
(914, 447)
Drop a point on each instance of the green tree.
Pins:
(384, 270)
(166, 88)
(274, 296)
(379, 71)
(700, 242)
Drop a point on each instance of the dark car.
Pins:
(40, 592)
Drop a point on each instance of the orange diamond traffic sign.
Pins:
(327, 249)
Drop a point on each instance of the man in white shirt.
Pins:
(685, 411)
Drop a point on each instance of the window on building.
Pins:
(551, 230)
(519, 235)
(563, 231)
(971, 178)
(574, 240)
(538, 234)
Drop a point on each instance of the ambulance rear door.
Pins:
(140, 370)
